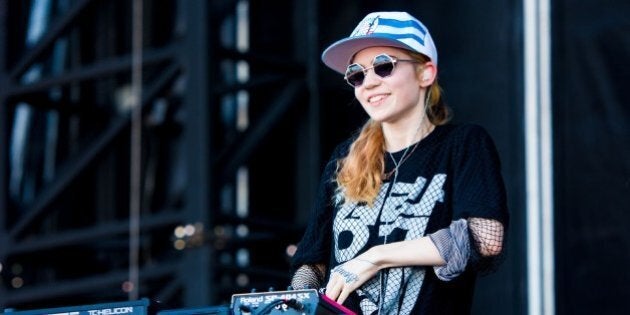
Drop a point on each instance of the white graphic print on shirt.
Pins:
(403, 211)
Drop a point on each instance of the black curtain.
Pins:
(591, 100)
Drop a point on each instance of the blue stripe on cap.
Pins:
(401, 24)
(402, 36)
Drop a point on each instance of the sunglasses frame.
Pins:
(390, 60)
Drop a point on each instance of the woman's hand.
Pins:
(349, 276)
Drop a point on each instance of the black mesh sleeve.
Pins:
(487, 244)
(308, 277)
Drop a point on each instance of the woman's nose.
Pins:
(371, 79)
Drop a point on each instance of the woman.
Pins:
(410, 210)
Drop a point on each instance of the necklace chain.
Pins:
(403, 158)
(406, 154)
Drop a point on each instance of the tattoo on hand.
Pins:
(348, 276)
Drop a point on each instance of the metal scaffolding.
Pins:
(211, 96)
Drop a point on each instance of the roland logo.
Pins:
(112, 311)
(251, 300)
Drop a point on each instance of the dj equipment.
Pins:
(308, 302)
(138, 307)
(293, 302)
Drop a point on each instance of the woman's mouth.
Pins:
(376, 99)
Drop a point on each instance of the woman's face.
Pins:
(395, 98)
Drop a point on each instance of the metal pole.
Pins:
(539, 158)
(197, 263)
(135, 195)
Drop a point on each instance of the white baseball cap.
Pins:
(394, 29)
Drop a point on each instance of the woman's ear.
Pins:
(428, 74)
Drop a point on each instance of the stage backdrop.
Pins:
(591, 73)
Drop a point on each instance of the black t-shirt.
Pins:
(453, 173)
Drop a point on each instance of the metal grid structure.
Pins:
(213, 221)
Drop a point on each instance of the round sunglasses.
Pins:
(382, 64)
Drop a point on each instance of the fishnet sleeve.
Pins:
(308, 277)
(487, 238)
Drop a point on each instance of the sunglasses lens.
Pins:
(355, 75)
(383, 66)
(356, 79)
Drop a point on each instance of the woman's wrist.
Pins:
(365, 260)
(372, 256)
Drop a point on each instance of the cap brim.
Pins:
(338, 55)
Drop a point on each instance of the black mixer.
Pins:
(290, 302)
